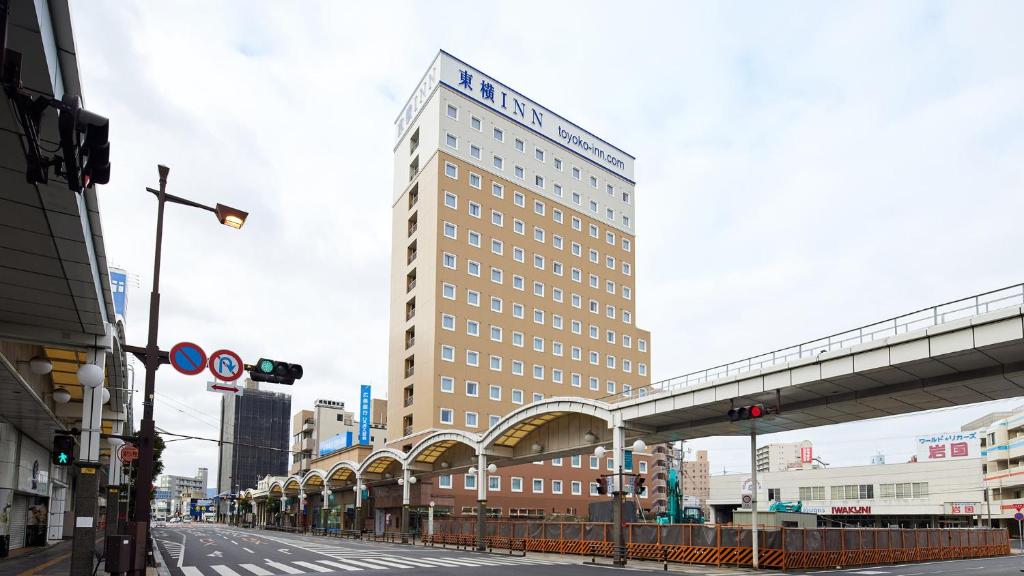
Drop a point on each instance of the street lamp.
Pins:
(153, 357)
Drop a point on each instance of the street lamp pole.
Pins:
(152, 358)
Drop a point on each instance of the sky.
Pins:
(802, 169)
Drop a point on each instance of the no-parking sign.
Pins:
(187, 358)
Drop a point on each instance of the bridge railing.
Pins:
(924, 318)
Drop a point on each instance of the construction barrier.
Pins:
(783, 548)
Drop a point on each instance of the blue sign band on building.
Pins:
(364, 414)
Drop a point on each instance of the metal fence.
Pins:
(924, 318)
(718, 545)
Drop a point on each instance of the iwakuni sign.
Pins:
(485, 90)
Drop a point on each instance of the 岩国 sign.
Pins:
(948, 446)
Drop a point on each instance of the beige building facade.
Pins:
(781, 456)
(512, 266)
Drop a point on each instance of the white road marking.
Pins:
(311, 566)
(190, 571)
(359, 563)
(256, 570)
(284, 567)
(224, 570)
(249, 551)
(338, 565)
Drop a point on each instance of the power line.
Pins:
(188, 437)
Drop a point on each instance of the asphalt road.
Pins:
(217, 550)
(210, 549)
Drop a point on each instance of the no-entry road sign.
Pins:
(187, 358)
(128, 453)
(226, 365)
(224, 388)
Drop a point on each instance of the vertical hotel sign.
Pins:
(364, 414)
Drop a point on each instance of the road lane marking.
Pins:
(47, 564)
(190, 571)
(284, 567)
(338, 565)
(360, 562)
(256, 570)
(249, 551)
(224, 570)
(311, 566)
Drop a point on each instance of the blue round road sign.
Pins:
(187, 358)
(1018, 516)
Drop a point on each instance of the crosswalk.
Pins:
(363, 562)
(174, 549)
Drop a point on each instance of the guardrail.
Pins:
(924, 318)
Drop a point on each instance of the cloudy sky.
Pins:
(802, 169)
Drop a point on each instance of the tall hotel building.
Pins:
(512, 276)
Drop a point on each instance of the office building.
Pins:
(781, 456)
(1001, 438)
(512, 276)
(178, 492)
(254, 434)
(328, 427)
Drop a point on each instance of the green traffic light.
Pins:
(62, 458)
(266, 366)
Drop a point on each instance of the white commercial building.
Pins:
(934, 493)
(781, 456)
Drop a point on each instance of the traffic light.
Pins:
(602, 486)
(86, 159)
(267, 370)
(63, 453)
(747, 412)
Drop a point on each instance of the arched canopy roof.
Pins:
(518, 424)
(292, 484)
(380, 460)
(276, 487)
(314, 479)
(344, 471)
(431, 447)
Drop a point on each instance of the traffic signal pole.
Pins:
(753, 490)
(83, 548)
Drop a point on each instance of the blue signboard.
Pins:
(335, 443)
(163, 495)
(364, 414)
(118, 289)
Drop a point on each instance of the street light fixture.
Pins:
(153, 357)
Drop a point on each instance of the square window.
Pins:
(469, 481)
(496, 304)
(453, 112)
(447, 384)
(499, 134)
(448, 291)
(472, 328)
(473, 238)
(538, 181)
(556, 268)
(518, 255)
(626, 244)
(520, 145)
(517, 310)
(499, 162)
(497, 190)
(595, 384)
(518, 282)
(450, 230)
(444, 481)
(556, 486)
(594, 465)
(611, 189)
(517, 367)
(518, 199)
(610, 387)
(495, 362)
(556, 375)
(474, 209)
(473, 268)
(593, 181)
(577, 488)
(610, 214)
(447, 322)
(474, 180)
(516, 484)
(538, 316)
(538, 261)
(496, 275)
(558, 163)
(593, 230)
(475, 123)
(497, 218)
(575, 380)
(538, 207)
(472, 297)
(520, 172)
(538, 485)
(538, 234)
(497, 246)
(451, 140)
(447, 416)
(538, 344)
(517, 396)
(575, 172)
(472, 358)
(494, 483)
(577, 224)
(517, 339)
(594, 206)
(496, 333)
(518, 226)
(557, 189)
(448, 260)
(538, 154)
(538, 289)
(451, 200)
(451, 170)
(494, 392)
(576, 198)
(537, 396)
(577, 327)
(472, 388)
(493, 420)
(471, 419)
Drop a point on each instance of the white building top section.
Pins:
(485, 90)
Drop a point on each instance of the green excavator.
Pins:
(677, 513)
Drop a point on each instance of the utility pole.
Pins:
(753, 491)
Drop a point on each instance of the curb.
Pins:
(161, 568)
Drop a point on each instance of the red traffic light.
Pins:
(747, 412)
(602, 486)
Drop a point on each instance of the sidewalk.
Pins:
(38, 561)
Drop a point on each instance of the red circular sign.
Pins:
(127, 453)
(226, 365)
(187, 358)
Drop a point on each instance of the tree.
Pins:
(158, 468)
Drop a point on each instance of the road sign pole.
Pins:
(753, 491)
(1020, 533)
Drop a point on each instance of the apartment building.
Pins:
(513, 279)
(781, 456)
(328, 427)
(1001, 437)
